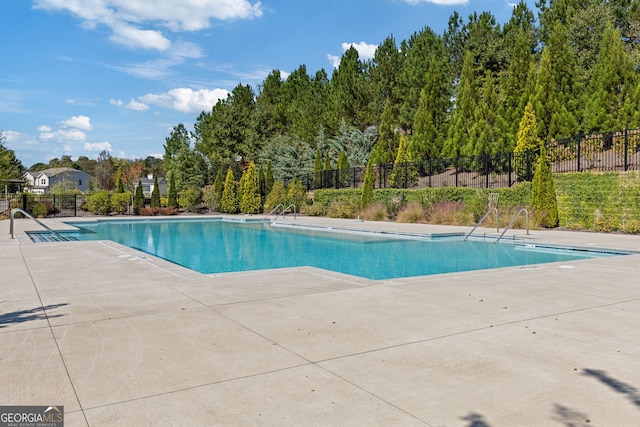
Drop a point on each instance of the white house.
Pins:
(147, 185)
(40, 182)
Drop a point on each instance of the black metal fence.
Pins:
(598, 152)
(69, 205)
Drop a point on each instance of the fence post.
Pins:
(456, 165)
(509, 169)
(24, 202)
(354, 177)
(626, 149)
(579, 141)
(430, 170)
(75, 205)
(486, 171)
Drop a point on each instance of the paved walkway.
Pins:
(123, 338)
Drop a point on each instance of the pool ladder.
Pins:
(59, 237)
(526, 213)
(282, 212)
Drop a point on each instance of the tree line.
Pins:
(570, 66)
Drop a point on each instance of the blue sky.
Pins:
(78, 77)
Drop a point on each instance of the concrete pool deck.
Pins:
(119, 337)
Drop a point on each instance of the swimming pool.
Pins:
(214, 245)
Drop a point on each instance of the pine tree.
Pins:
(462, 117)
(119, 184)
(404, 173)
(527, 143)
(138, 199)
(343, 169)
(543, 192)
(268, 179)
(229, 202)
(155, 193)
(218, 185)
(317, 170)
(367, 187)
(387, 143)
(172, 201)
(327, 181)
(251, 202)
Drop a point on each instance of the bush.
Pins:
(449, 213)
(39, 210)
(191, 199)
(99, 202)
(344, 209)
(375, 212)
(120, 202)
(411, 213)
(276, 196)
(211, 198)
(158, 211)
(297, 195)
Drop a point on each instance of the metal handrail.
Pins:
(514, 220)
(483, 218)
(11, 217)
(266, 217)
(284, 211)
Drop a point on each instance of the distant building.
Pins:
(42, 181)
(147, 186)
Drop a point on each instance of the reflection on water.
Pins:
(216, 246)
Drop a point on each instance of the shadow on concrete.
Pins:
(570, 417)
(618, 386)
(28, 315)
(475, 420)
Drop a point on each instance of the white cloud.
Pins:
(127, 18)
(77, 122)
(97, 146)
(136, 106)
(335, 60)
(62, 135)
(160, 68)
(44, 128)
(365, 50)
(116, 102)
(186, 100)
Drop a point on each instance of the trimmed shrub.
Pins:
(276, 196)
(120, 202)
(40, 210)
(99, 202)
(543, 192)
(191, 199)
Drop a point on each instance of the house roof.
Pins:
(54, 171)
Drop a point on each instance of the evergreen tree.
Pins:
(172, 201)
(138, 199)
(327, 181)
(367, 187)
(268, 178)
(462, 117)
(261, 179)
(119, 184)
(251, 202)
(155, 193)
(527, 143)
(387, 143)
(404, 174)
(614, 81)
(317, 170)
(431, 115)
(543, 193)
(229, 202)
(343, 169)
(218, 185)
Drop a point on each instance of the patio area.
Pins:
(122, 338)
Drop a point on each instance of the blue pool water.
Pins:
(216, 246)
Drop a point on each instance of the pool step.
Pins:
(48, 236)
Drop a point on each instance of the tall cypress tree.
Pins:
(229, 202)
(543, 192)
(527, 143)
(343, 169)
(367, 187)
(251, 202)
(138, 199)
(326, 172)
(155, 193)
(387, 143)
(404, 173)
(317, 170)
(172, 201)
